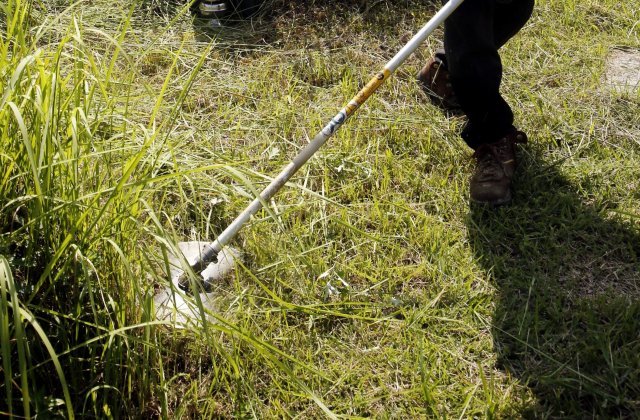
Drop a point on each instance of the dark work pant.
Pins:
(472, 37)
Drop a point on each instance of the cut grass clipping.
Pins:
(370, 287)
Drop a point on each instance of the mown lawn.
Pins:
(370, 287)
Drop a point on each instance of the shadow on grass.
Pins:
(567, 316)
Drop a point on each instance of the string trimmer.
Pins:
(212, 261)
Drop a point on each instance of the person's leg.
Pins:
(470, 71)
(473, 36)
(509, 18)
(475, 71)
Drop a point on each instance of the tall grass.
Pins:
(78, 333)
(66, 211)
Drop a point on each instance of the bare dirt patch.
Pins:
(623, 69)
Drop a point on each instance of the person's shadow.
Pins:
(567, 315)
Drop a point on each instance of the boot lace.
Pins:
(493, 157)
(488, 158)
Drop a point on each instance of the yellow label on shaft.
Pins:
(367, 91)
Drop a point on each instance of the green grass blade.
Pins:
(8, 287)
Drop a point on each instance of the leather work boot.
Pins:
(496, 165)
(434, 80)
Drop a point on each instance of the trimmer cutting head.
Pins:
(215, 271)
(172, 304)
